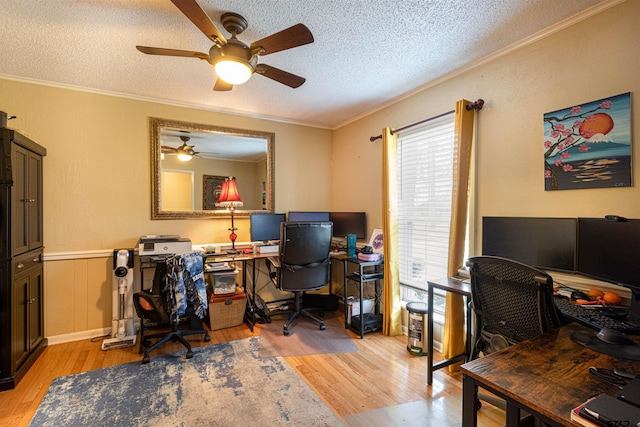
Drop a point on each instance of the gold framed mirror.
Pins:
(190, 160)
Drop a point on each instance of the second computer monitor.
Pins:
(298, 216)
(349, 223)
(547, 243)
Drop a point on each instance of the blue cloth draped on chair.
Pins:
(186, 284)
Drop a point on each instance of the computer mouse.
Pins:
(579, 295)
(611, 336)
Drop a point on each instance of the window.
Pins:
(425, 180)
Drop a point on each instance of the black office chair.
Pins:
(304, 263)
(178, 295)
(512, 302)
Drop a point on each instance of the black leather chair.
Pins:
(304, 263)
(512, 302)
(157, 309)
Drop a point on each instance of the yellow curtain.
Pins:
(392, 321)
(453, 340)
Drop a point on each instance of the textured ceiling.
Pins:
(366, 53)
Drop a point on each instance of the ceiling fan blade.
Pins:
(198, 16)
(280, 76)
(172, 52)
(222, 86)
(295, 36)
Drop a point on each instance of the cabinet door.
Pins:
(19, 322)
(26, 225)
(34, 309)
(34, 201)
(20, 240)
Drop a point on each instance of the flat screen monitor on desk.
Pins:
(265, 227)
(349, 223)
(609, 250)
(546, 243)
(298, 216)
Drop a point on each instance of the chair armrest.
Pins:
(273, 274)
(275, 261)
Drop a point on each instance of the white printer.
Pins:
(163, 245)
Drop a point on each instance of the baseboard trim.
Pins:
(79, 336)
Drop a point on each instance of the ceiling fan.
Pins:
(185, 152)
(233, 60)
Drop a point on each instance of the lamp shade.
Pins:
(233, 71)
(229, 195)
(185, 157)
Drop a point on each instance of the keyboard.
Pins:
(593, 319)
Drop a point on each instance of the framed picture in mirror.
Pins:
(211, 186)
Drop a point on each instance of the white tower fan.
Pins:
(123, 332)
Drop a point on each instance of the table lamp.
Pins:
(230, 198)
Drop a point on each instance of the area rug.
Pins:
(222, 385)
(305, 337)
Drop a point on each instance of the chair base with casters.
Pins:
(146, 306)
(298, 311)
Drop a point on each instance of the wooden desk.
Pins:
(546, 376)
(456, 286)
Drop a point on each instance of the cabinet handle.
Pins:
(36, 259)
(31, 300)
(31, 200)
(21, 265)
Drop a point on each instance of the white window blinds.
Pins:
(425, 169)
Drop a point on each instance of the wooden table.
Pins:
(546, 376)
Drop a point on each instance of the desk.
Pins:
(546, 376)
(455, 286)
(243, 258)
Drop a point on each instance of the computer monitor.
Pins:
(265, 227)
(546, 243)
(349, 223)
(609, 250)
(298, 216)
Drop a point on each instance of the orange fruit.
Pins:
(612, 298)
(595, 293)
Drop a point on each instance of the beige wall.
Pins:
(97, 167)
(97, 172)
(590, 60)
(97, 186)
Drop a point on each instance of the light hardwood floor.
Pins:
(379, 385)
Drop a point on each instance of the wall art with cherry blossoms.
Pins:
(589, 145)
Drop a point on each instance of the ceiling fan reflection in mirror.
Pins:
(185, 152)
(234, 61)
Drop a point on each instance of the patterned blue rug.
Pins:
(223, 385)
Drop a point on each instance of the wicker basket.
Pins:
(227, 311)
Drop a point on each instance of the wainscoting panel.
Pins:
(77, 295)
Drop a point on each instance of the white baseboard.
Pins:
(98, 334)
(79, 336)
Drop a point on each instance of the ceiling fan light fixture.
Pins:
(185, 157)
(233, 71)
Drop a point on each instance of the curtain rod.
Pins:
(473, 105)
